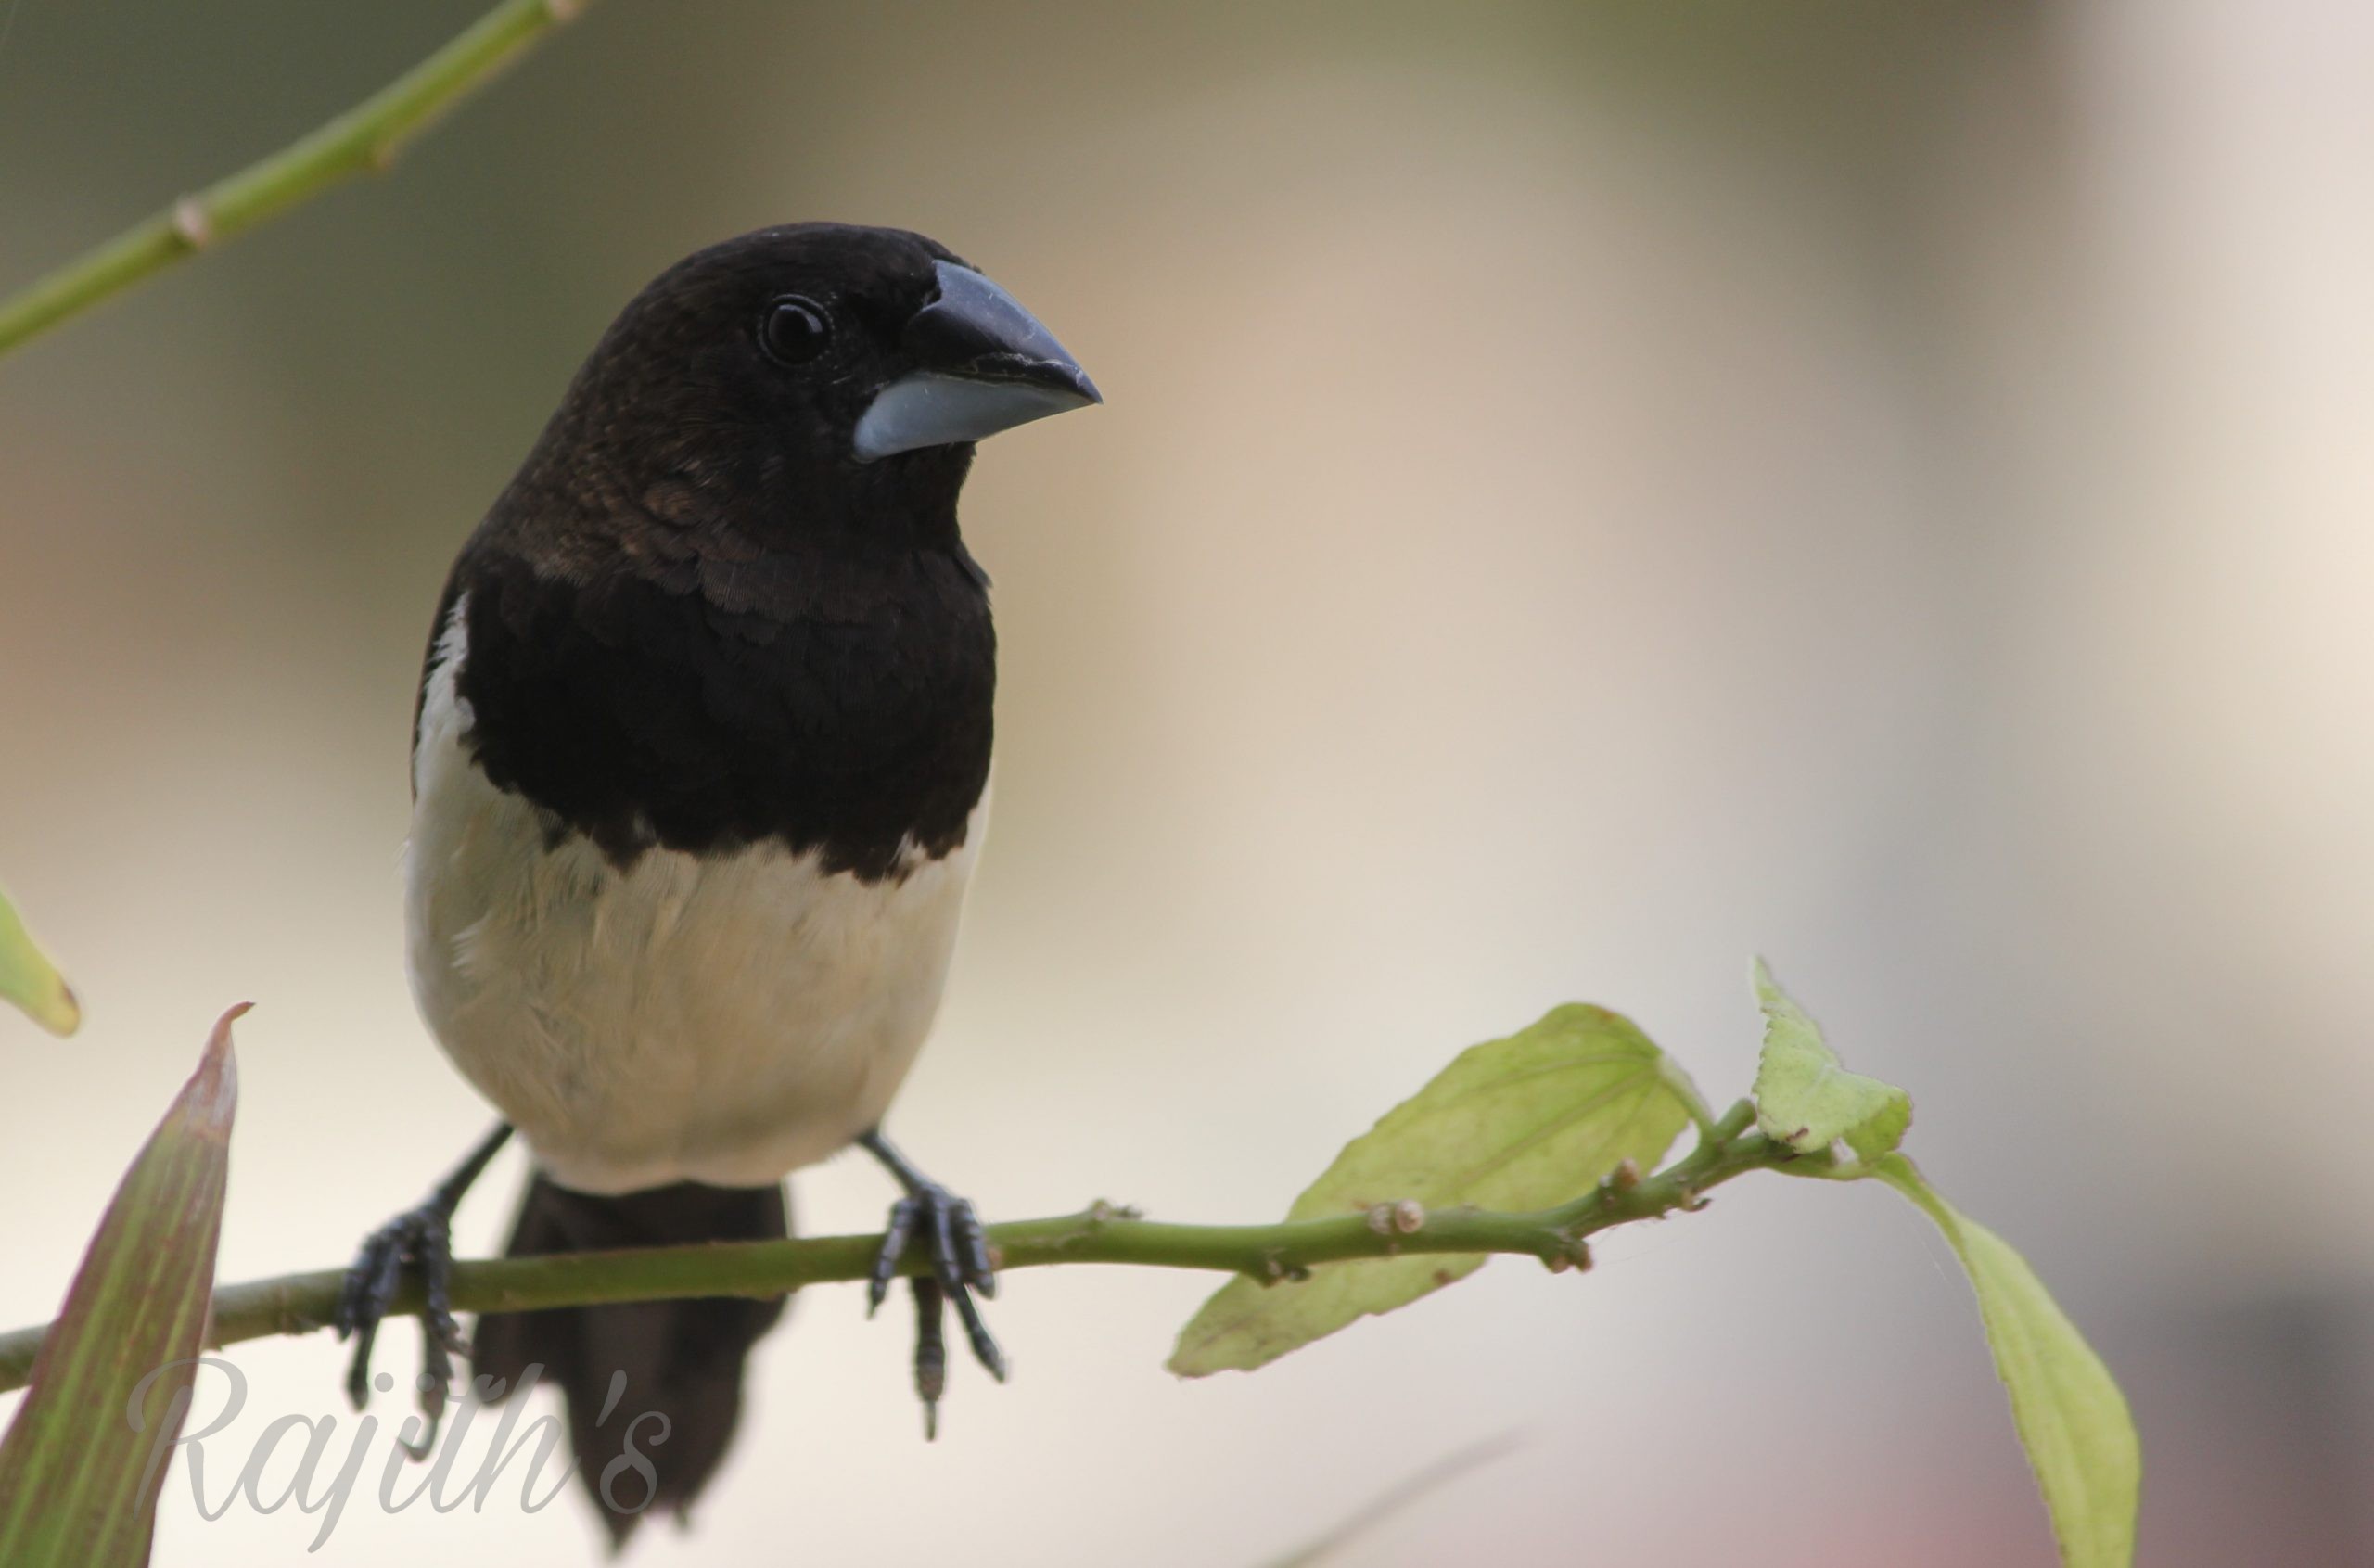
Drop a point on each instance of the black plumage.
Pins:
(722, 616)
(845, 709)
(681, 1361)
(695, 621)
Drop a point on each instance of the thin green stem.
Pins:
(1685, 1089)
(298, 1304)
(1738, 1119)
(364, 139)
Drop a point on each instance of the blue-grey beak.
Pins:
(985, 365)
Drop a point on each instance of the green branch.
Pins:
(365, 139)
(298, 1304)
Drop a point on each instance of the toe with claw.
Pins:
(420, 1238)
(946, 1228)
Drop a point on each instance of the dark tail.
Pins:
(682, 1359)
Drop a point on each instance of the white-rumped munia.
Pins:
(700, 765)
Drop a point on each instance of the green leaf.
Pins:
(30, 980)
(1804, 1098)
(1521, 1123)
(2071, 1418)
(78, 1479)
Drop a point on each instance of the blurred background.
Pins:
(1588, 494)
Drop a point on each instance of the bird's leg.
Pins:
(951, 1232)
(421, 1236)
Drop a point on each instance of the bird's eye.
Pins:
(794, 330)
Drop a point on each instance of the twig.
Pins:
(364, 139)
(299, 1303)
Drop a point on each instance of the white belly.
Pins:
(721, 1019)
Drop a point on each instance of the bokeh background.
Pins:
(1588, 494)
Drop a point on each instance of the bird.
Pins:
(700, 771)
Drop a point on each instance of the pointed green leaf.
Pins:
(78, 1485)
(1520, 1123)
(30, 980)
(2071, 1416)
(1804, 1098)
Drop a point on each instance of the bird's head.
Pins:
(816, 376)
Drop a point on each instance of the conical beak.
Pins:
(985, 364)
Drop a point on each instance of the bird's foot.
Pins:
(421, 1237)
(945, 1225)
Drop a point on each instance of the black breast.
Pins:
(831, 705)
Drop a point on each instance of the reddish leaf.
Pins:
(77, 1487)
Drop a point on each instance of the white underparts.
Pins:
(724, 1018)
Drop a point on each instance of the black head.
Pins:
(818, 378)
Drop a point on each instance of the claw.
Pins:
(931, 1353)
(421, 1236)
(436, 1259)
(976, 1242)
(944, 1265)
(358, 1375)
(960, 1270)
(959, 1266)
(985, 1349)
(895, 1237)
